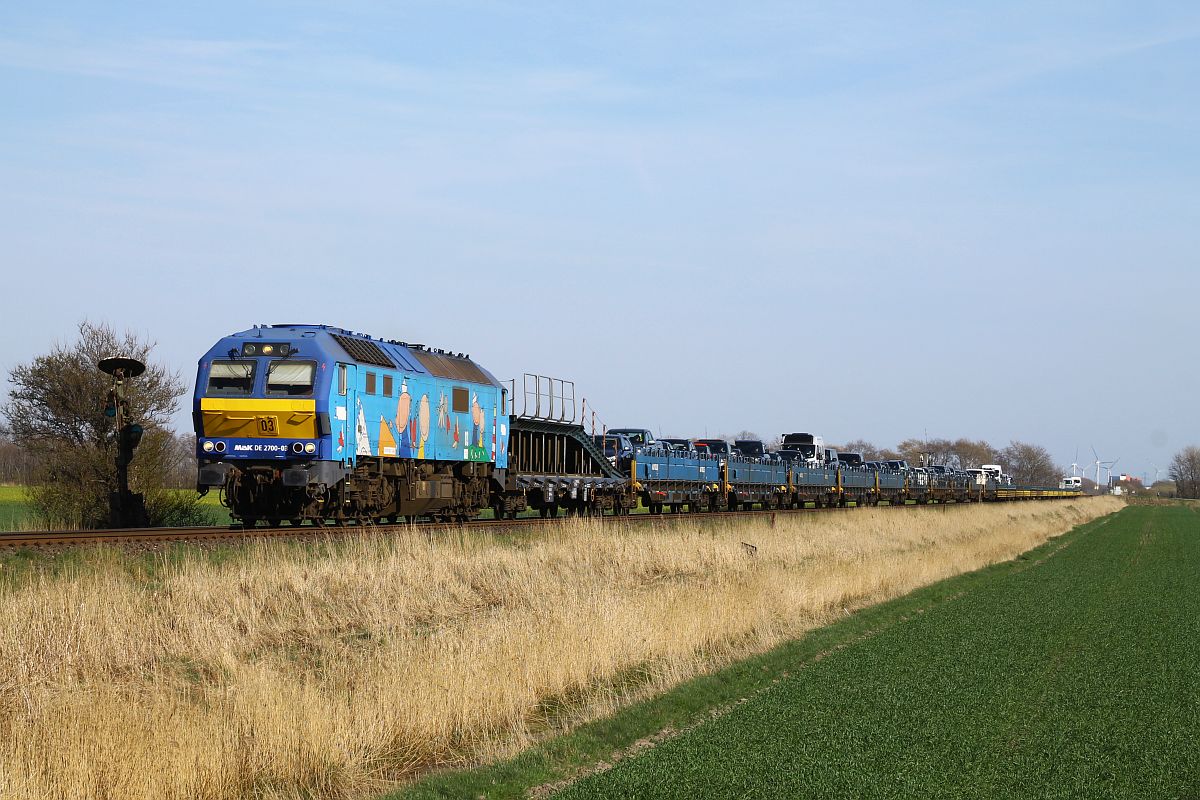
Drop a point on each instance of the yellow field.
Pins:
(288, 672)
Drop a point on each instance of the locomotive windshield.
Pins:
(291, 378)
(231, 377)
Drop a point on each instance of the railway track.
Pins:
(134, 536)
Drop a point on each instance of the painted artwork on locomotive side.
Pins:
(428, 418)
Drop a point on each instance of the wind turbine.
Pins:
(1077, 470)
(1108, 465)
(1102, 464)
(1157, 472)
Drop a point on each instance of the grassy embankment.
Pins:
(339, 668)
(1072, 673)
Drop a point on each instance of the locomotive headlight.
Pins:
(220, 447)
(208, 447)
(310, 448)
(297, 447)
(268, 349)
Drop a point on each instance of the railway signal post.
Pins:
(126, 509)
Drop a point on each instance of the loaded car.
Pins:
(641, 438)
(717, 447)
(750, 448)
(617, 447)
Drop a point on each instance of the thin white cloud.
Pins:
(1003, 67)
(172, 62)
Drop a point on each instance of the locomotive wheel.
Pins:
(274, 522)
(295, 522)
(249, 522)
(498, 511)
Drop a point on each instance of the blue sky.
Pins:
(864, 219)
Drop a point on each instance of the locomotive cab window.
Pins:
(461, 401)
(291, 378)
(231, 378)
(387, 386)
(370, 383)
(342, 379)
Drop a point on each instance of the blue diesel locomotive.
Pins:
(311, 422)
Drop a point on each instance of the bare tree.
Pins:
(973, 453)
(868, 451)
(961, 453)
(1030, 465)
(918, 451)
(1185, 471)
(184, 464)
(16, 464)
(56, 414)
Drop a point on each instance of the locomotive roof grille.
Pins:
(364, 351)
(448, 366)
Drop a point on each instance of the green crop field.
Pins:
(16, 514)
(1075, 673)
(13, 509)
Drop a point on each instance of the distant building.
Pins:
(1125, 484)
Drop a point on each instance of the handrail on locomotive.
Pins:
(543, 397)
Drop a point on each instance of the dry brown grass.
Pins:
(338, 670)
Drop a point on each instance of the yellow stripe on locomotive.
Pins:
(258, 418)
